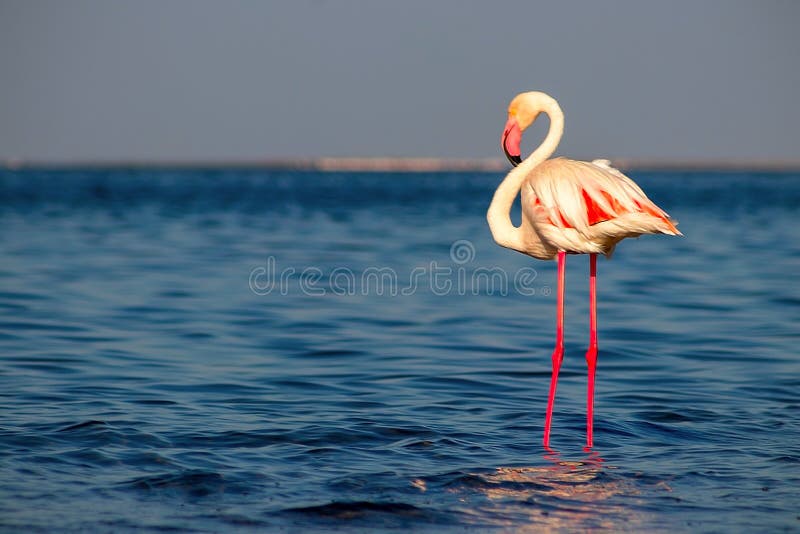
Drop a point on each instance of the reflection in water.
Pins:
(566, 494)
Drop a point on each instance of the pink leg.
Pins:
(591, 354)
(558, 353)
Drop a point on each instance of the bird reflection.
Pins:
(562, 478)
(562, 494)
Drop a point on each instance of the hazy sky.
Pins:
(211, 80)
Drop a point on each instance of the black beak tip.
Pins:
(515, 160)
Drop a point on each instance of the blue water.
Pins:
(209, 350)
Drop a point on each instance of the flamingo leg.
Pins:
(558, 352)
(591, 354)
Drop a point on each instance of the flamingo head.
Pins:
(522, 111)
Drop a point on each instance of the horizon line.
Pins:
(393, 164)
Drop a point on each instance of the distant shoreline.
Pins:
(390, 164)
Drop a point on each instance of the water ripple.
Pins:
(145, 387)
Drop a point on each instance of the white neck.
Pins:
(499, 215)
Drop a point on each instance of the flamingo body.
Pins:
(568, 207)
(585, 208)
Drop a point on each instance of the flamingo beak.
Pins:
(510, 141)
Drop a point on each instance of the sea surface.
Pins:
(230, 350)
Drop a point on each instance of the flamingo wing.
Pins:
(586, 208)
(578, 195)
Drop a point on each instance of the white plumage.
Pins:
(567, 205)
(585, 208)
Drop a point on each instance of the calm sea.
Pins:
(223, 350)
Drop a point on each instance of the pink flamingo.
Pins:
(568, 207)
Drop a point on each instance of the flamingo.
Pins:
(568, 207)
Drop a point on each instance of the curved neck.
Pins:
(499, 214)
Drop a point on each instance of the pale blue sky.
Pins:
(228, 80)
